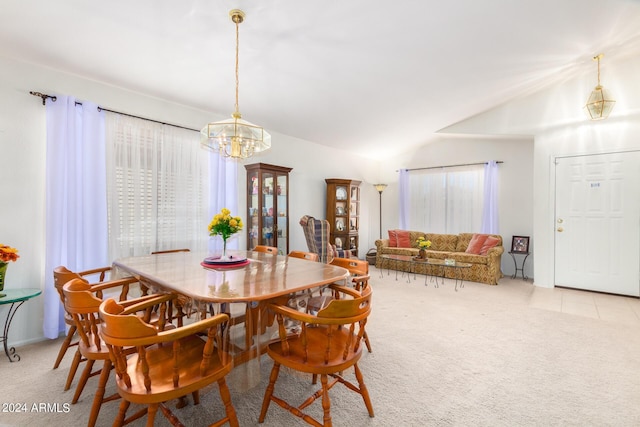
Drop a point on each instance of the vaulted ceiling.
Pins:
(359, 74)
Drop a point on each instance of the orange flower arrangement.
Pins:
(7, 253)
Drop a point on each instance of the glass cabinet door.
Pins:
(343, 214)
(282, 228)
(268, 206)
(253, 209)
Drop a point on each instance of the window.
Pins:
(447, 200)
(157, 187)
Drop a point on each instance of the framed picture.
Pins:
(520, 244)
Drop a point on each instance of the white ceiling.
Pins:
(356, 74)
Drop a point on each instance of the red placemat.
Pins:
(216, 266)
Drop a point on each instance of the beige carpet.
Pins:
(481, 356)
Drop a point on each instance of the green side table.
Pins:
(15, 297)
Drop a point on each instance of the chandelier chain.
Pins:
(237, 60)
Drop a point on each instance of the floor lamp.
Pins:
(380, 188)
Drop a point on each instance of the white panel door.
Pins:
(597, 237)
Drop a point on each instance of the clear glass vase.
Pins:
(224, 256)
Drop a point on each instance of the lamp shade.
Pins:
(380, 187)
(599, 104)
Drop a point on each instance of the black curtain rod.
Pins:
(54, 99)
(450, 166)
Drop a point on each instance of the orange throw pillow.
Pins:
(488, 244)
(475, 245)
(393, 239)
(404, 239)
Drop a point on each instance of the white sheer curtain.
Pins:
(447, 200)
(490, 219)
(404, 195)
(76, 209)
(158, 187)
(223, 193)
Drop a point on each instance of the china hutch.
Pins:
(343, 213)
(268, 206)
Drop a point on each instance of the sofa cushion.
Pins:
(404, 239)
(465, 238)
(443, 242)
(491, 242)
(463, 241)
(470, 258)
(393, 238)
(475, 244)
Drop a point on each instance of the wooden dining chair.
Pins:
(266, 249)
(82, 301)
(62, 275)
(359, 275)
(328, 344)
(167, 364)
(309, 256)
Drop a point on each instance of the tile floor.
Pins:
(610, 308)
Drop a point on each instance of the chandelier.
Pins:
(600, 103)
(235, 138)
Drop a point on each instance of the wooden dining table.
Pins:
(251, 285)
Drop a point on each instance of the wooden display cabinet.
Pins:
(268, 206)
(343, 213)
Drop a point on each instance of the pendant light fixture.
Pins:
(600, 103)
(235, 138)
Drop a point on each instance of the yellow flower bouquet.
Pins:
(225, 225)
(423, 243)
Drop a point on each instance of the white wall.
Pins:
(22, 171)
(555, 118)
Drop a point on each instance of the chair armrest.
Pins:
(123, 283)
(345, 290)
(112, 284)
(192, 328)
(102, 271)
(140, 300)
(142, 303)
(292, 313)
(360, 281)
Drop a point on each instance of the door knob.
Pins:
(559, 220)
(560, 229)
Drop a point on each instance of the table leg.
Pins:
(10, 351)
(434, 277)
(521, 270)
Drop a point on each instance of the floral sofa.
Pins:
(484, 268)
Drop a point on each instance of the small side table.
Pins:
(15, 297)
(515, 262)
